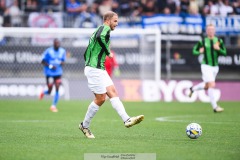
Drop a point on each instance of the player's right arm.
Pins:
(45, 61)
(198, 48)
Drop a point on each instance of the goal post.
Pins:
(138, 52)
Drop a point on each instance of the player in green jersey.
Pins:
(99, 82)
(211, 47)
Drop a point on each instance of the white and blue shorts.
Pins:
(98, 79)
(209, 73)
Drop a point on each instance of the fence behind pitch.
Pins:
(137, 52)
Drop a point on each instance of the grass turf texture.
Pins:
(29, 131)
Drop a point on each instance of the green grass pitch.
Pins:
(29, 131)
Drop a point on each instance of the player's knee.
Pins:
(210, 85)
(58, 81)
(50, 85)
(100, 100)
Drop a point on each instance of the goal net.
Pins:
(137, 52)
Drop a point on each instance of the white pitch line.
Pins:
(182, 119)
(172, 119)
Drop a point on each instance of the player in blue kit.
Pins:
(53, 60)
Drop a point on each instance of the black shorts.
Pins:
(52, 78)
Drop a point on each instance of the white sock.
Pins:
(118, 106)
(92, 110)
(212, 97)
(199, 86)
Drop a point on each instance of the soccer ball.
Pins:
(194, 130)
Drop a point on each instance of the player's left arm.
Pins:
(63, 59)
(222, 49)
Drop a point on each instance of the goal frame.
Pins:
(71, 32)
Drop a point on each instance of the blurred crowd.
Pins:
(15, 12)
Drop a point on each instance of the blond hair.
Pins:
(210, 25)
(108, 15)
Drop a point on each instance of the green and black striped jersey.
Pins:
(210, 54)
(98, 48)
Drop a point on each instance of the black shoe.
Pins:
(191, 92)
(86, 131)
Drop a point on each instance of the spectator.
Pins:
(75, 7)
(184, 7)
(236, 7)
(149, 8)
(224, 8)
(90, 2)
(200, 5)
(107, 5)
(4, 14)
(193, 7)
(31, 6)
(115, 5)
(173, 5)
(210, 8)
(2, 10)
(125, 8)
(2, 7)
(221, 8)
(166, 11)
(135, 6)
(42, 5)
(87, 20)
(8, 3)
(56, 5)
(94, 6)
(15, 14)
(50, 6)
(104, 6)
(129, 8)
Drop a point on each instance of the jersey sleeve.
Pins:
(197, 47)
(222, 50)
(103, 39)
